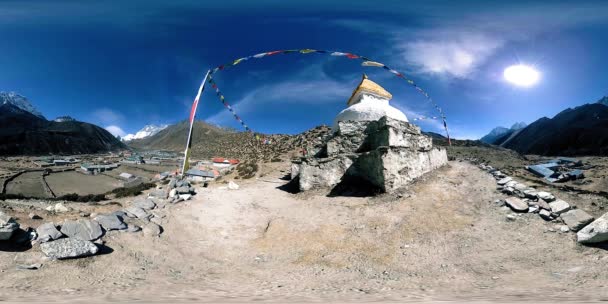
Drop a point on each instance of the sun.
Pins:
(522, 75)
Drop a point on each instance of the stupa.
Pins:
(373, 143)
(369, 101)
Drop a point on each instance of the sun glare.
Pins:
(522, 75)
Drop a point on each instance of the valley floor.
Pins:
(443, 238)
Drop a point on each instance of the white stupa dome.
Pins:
(369, 101)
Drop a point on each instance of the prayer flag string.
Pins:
(365, 62)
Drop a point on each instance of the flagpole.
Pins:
(192, 116)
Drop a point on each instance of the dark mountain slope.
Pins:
(579, 131)
(22, 133)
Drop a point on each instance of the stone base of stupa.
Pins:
(387, 154)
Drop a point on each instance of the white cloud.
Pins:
(116, 131)
(454, 53)
(448, 42)
(309, 86)
(107, 116)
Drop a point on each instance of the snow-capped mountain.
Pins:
(147, 131)
(603, 101)
(19, 101)
(502, 132)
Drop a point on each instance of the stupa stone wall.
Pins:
(386, 153)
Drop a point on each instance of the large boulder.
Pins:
(111, 222)
(86, 230)
(595, 232)
(8, 226)
(48, 232)
(516, 204)
(68, 248)
(576, 219)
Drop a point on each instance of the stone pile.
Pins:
(80, 238)
(550, 208)
(385, 153)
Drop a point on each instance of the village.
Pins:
(54, 176)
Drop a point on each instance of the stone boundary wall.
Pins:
(525, 199)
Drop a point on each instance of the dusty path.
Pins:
(443, 238)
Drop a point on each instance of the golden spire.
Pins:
(369, 86)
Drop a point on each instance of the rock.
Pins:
(68, 248)
(504, 181)
(146, 204)
(22, 236)
(111, 222)
(121, 214)
(159, 194)
(185, 196)
(8, 226)
(533, 209)
(546, 196)
(576, 219)
(543, 205)
(508, 190)
(48, 232)
(29, 267)
(233, 186)
(137, 212)
(531, 193)
(183, 190)
(84, 214)
(60, 208)
(132, 228)
(545, 215)
(511, 184)
(516, 204)
(152, 229)
(511, 217)
(86, 230)
(564, 229)
(499, 202)
(34, 216)
(172, 183)
(559, 206)
(595, 232)
(173, 193)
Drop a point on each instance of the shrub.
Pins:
(132, 191)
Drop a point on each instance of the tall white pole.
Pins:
(192, 117)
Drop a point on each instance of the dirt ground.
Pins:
(74, 182)
(28, 184)
(441, 239)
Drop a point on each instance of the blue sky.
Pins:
(130, 63)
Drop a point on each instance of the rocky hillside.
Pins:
(579, 131)
(211, 141)
(24, 133)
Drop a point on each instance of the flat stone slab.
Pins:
(559, 206)
(576, 219)
(137, 212)
(546, 196)
(146, 204)
(48, 232)
(111, 222)
(595, 232)
(67, 248)
(504, 181)
(183, 190)
(516, 204)
(86, 230)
